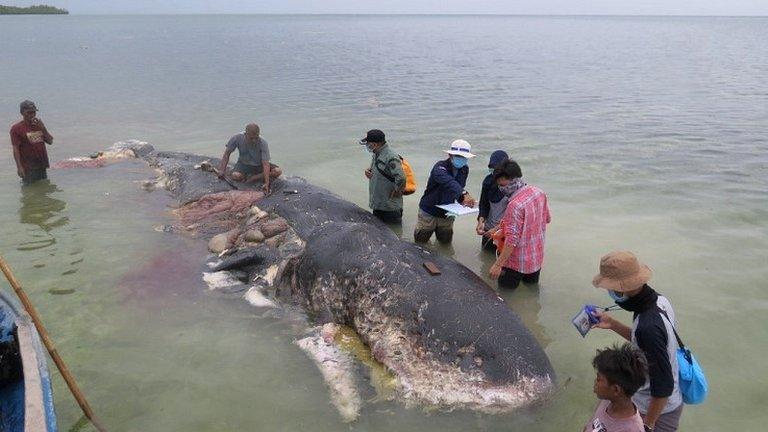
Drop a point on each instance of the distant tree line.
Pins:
(32, 10)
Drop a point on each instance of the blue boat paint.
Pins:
(12, 396)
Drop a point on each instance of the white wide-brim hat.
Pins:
(461, 148)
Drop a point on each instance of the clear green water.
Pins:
(647, 134)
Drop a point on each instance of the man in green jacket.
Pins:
(386, 178)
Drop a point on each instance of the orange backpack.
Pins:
(410, 177)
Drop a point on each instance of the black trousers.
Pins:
(393, 217)
(487, 244)
(34, 175)
(511, 278)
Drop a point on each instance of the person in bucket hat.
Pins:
(28, 138)
(445, 185)
(626, 280)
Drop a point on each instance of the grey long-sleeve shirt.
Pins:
(387, 176)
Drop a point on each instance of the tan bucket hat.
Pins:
(621, 272)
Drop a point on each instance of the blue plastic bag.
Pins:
(693, 383)
(691, 379)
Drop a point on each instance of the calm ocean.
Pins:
(648, 134)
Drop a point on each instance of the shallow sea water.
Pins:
(648, 134)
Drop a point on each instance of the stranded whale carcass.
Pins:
(449, 340)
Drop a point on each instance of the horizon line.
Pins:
(419, 14)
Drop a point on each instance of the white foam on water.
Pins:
(255, 297)
(221, 279)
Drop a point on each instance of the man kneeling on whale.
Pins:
(253, 158)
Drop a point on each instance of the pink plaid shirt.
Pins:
(525, 225)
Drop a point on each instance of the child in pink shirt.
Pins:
(621, 370)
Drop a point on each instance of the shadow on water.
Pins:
(523, 300)
(39, 208)
(81, 425)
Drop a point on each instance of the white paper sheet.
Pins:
(458, 209)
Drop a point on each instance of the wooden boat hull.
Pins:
(26, 397)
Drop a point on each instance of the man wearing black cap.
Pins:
(28, 138)
(386, 178)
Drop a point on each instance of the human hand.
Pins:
(480, 228)
(368, 173)
(20, 172)
(646, 426)
(265, 188)
(38, 123)
(495, 271)
(491, 232)
(606, 320)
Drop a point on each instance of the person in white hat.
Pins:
(445, 186)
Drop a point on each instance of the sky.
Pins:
(523, 7)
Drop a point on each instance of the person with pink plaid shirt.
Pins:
(524, 226)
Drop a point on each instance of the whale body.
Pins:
(449, 340)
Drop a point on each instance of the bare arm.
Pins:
(654, 410)
(47, 137)
(224, 162)
(509, 246)
(480, 228)
(266, 169)
(16, 142)
(504, 256)
(495, 271)
(17, 158)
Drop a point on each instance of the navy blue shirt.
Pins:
(445, 185)
(489, 193)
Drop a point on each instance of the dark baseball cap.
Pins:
(27, 105)
(373, 136)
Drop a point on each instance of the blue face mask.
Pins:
(459, 162)
(618, 298)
